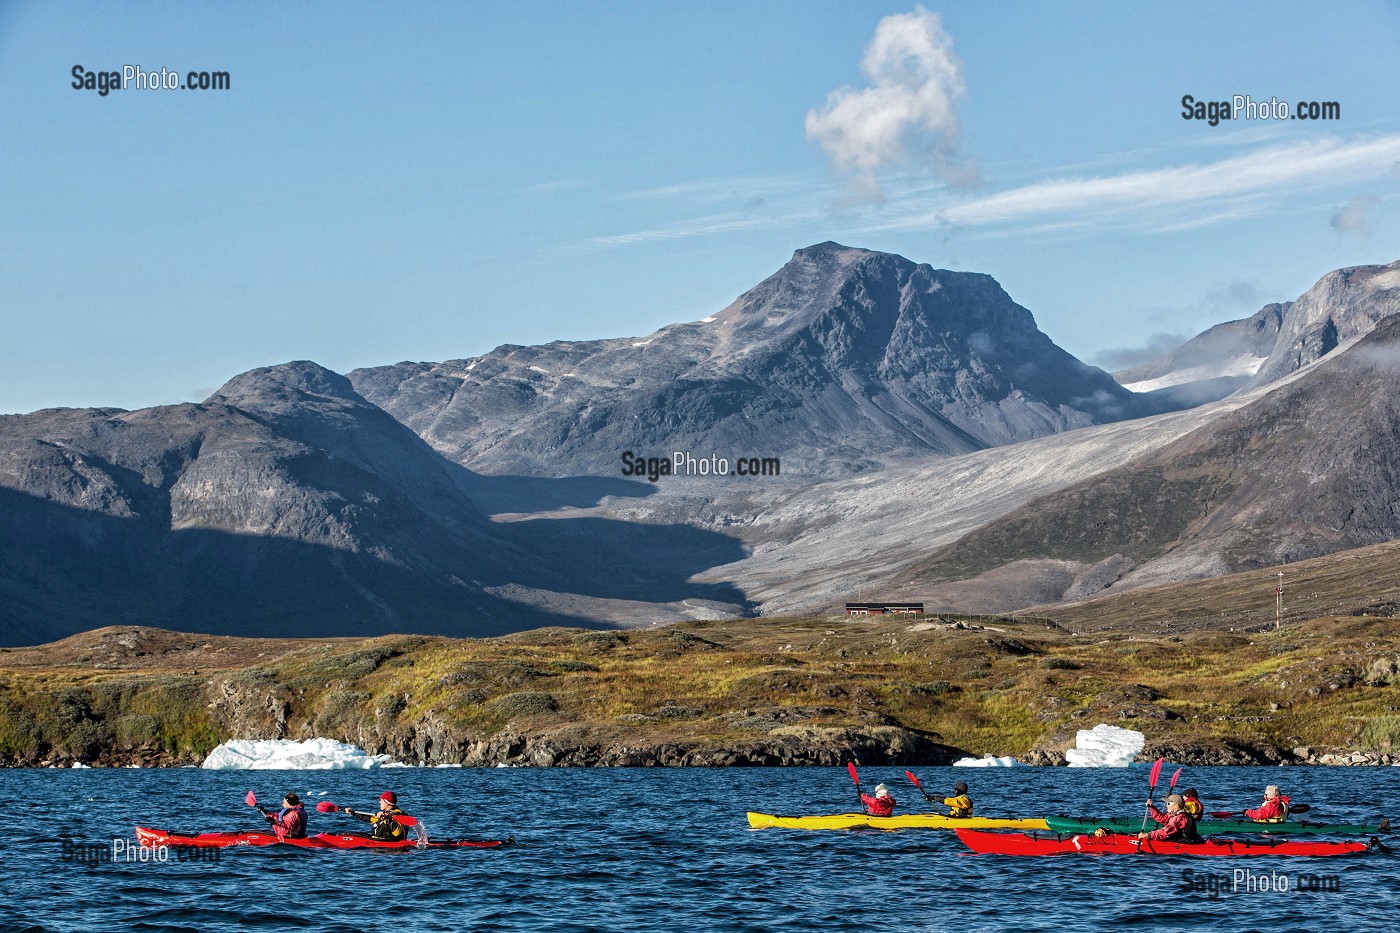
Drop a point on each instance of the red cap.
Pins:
(389, 796)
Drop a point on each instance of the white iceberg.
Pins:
(286, 755)
(1105, 746)
(986, 761)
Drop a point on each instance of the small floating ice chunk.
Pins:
(1105, 746)
(986, 761)
(284, 754)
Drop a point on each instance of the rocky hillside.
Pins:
(288, 505)
(843, 359)
(1306, 470)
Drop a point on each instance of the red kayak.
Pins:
(160, 837)
(992, 843)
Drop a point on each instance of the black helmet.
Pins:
(960, 787)
(1189, 792)
(292, 799)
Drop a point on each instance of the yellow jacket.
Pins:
(961, 805)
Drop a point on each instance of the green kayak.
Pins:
(1065, 824)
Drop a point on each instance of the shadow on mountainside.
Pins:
(68, 570)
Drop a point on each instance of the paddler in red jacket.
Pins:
(1177, 825)
(290, 822)
(882, 804)
(1273, 810)
(382, 824)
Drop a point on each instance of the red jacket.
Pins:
(1275, 809)
(878, 806)
(1173, 824)
(291, 821)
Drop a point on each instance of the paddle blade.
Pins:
(851, 767)
(1156, 773)
(325, 806)
(1173, 780)
(915, 781)
(251, 800)
(1299, 808)
(1223, 814)
(403, 819)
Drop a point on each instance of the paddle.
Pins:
(403, 819)
(252, 801)
(851, 767)
(910, 776)
(1226, 814)
(1152, 787)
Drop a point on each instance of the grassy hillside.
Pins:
(983, 685)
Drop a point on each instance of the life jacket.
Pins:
(958, 806)
(1193, 806)
(291, 822)
(384, 826)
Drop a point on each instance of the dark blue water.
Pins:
(663, 849)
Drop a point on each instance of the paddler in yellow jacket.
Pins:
(1192, 804)
(960, 804)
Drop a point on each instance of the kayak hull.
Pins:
(988, 843)
(257, 838)
(1065, 824)
(904, 821)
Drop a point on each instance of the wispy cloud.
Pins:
(907, 115)
(699, 226)
(720, 189)
(1352, 218)
(1272, 171)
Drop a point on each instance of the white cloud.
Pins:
(1352, 217)
(1276, 171)
(908, 115)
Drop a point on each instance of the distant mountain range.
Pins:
(841, 361)
(933, 441)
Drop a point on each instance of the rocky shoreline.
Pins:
(797, 748)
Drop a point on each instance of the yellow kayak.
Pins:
(905, 821)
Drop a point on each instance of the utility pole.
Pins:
(1278, 603)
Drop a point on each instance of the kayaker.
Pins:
(382, 824)
(1274, 808)
(960, 804)
(882, 804)
(1177, 825)
(290, 822)
(1192, 804)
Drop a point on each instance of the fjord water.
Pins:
(662, 849)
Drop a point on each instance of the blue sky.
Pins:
(428, 183)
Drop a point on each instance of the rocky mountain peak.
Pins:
(276, 386)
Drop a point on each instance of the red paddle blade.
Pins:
(403, 819)
(1156, 772)
(1174, 777)
(1223, 814)
(914, 780)
(851, 767)
(251, 800)
(325, 806)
